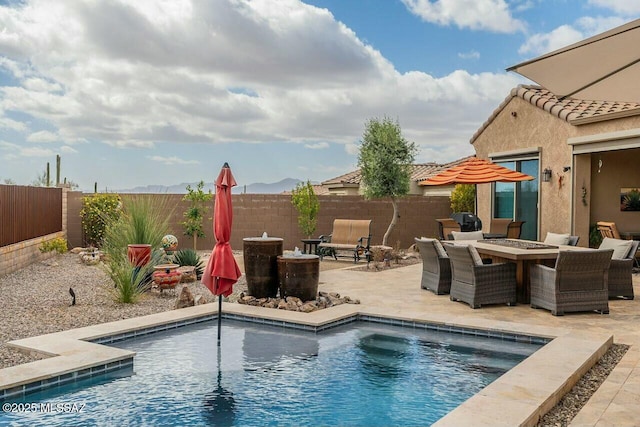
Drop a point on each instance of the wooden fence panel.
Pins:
(29, 212)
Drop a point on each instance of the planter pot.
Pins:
(260, 265)
(166, 276)
(139, 254)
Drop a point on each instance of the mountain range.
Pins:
(286, 184)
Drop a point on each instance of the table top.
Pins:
(311, 240)
(514, 253)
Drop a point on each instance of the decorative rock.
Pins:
(188, 274)
(185, 299)
(290, 303)
(308, 307)
(199, 299)
(77, 250)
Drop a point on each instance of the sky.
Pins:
(161, 92)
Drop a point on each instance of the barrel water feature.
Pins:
(261, 266)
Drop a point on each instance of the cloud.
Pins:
(472, 54)
(317, 145)
(43, 136)
(173, 160)
(565, 35)
(485, 15)
(624, 7)
(13, 151)
(137, 74)
(67, 149)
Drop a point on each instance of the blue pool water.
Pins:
(361, 374)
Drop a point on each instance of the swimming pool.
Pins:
(357, 374)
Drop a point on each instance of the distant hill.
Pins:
(286, 184)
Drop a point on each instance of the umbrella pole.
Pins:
(219, 317)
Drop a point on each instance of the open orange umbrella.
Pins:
(476, 171)
(222, 271)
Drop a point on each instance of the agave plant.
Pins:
(189, 257)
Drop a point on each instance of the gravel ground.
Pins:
(36, 301)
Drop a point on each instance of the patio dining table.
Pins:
(524, 253)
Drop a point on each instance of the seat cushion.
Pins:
(477, 259)
(467, 235)
(620, 247)
(556, 239)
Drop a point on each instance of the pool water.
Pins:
(360, 374)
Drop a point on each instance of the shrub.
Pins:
(194, 215)
(463, 198)
(58, 244)
(97, 211)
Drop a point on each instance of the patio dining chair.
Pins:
(608, 229)
(436, 267)
(514, 229)
(578, 282)
(446, 226)
(477, 283)
(620, 283)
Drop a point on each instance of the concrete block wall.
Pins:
(20, 255)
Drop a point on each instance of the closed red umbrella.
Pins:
(222, 271)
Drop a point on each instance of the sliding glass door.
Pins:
(519, 200)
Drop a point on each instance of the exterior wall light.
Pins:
(546, 175)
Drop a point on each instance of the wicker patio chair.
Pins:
(577, 283)
(446, 226)
(479, 284)
(436, 267)
(573, 240)
(621, 274)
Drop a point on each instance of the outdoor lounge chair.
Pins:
(608, 229)
(436, 267)
(621, 269)
(577, 283)
(477, 283)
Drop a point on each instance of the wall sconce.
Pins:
(546, 175)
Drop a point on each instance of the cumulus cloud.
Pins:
(486, 15)
(625, 7)
(67, 149)
(13, 151)
(173, 160)
(135, 74)
(562, 36)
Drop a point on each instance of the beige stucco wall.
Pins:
(521, 125)
(529, 128)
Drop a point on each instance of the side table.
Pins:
(310, 245)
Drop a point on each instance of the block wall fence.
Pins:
(274, 213)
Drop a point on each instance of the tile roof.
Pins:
(573, 111)
(419, 172)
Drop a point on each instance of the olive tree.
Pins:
(194, 215)
(385, 160)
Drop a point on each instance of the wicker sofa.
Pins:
(477, 283)
(577, 283)
(436, 267)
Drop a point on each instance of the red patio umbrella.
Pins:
(222, 270)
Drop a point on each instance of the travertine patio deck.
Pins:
(396, 293)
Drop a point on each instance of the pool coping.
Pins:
(519, 397)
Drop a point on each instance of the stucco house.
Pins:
(584, 154)
(349, 183)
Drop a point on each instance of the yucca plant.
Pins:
(189, 257)
(130, 282)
